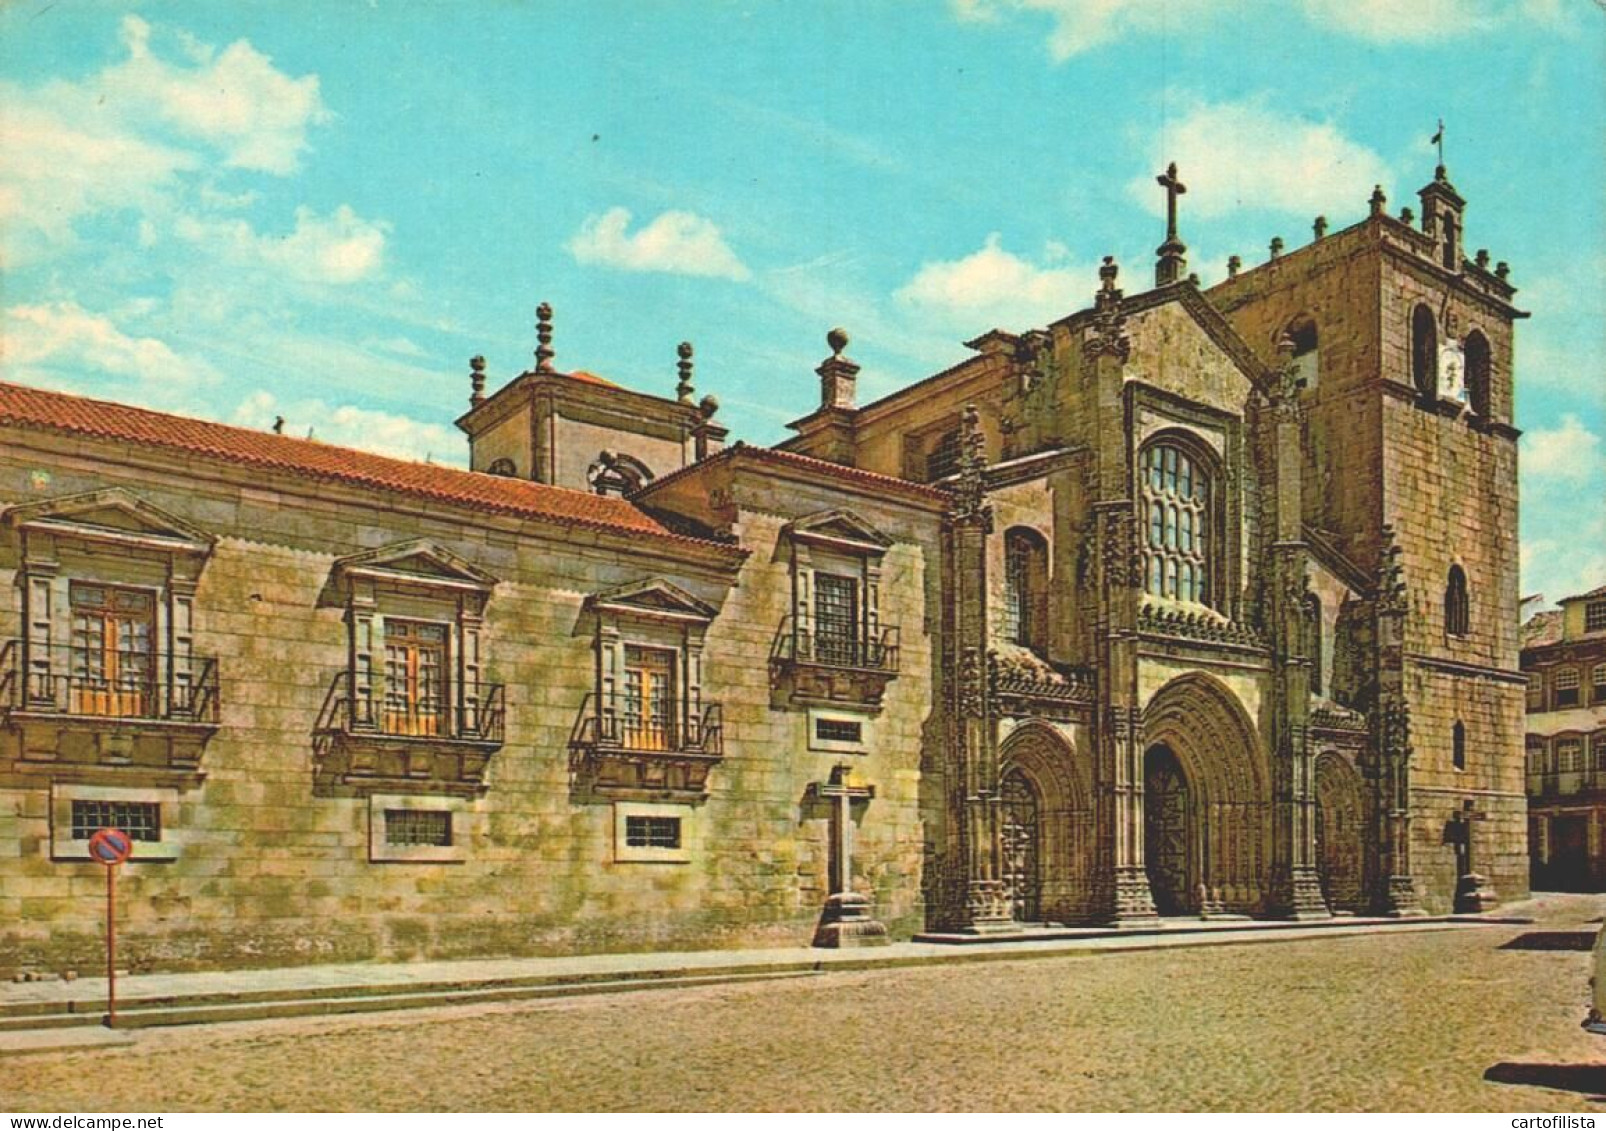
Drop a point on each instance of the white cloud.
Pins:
(997, 285)
(65, 340)
(132, 136)
(1418, 21)
(385, 433)
(237, 101)
(62, 158)
(677, 243)
(1569, 453)
(343, 248)
(1081, 25)
(1238, 155)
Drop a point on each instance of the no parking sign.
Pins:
(111, 847)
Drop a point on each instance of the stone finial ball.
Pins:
(709, 405)
(544, 311)
(684, 351)
(837, 339)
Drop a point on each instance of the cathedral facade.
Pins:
(1196, 602)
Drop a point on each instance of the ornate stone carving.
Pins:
(1108, 337)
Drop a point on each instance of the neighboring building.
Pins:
(1191, 603)
(1564, 655)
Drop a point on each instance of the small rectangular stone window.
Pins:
(1595, 616)
(141, 820)
(1566, 688)
(414, 827)
(652, 832)
(838, 730)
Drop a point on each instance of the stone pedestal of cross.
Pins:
(847, 919)
(1473, 893)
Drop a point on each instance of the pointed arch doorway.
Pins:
(1206, 834)
(1021, 832)
(1168, 833)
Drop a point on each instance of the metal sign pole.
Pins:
(109, 848)
(111, 946)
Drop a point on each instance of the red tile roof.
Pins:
(22, 407)
(1541, 629)
(824, 469)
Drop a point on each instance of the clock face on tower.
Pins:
(1452, 372)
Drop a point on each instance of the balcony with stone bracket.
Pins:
(374, 739)
(106, 715)
(617, 749)
(810, 667)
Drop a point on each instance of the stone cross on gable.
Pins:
(1173, 189)
(1172, 264)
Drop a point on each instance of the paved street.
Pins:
(1483, 1019)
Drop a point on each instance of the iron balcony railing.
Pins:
(359, 704)
(617, 723)
(853, 647)
(106, 683)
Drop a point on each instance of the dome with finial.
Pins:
(837, 339)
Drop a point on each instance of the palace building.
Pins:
(1195, 602)
(1564, 656)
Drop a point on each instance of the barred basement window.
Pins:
(838, 730)
(1566, 688)
(652, 832)
(1595, 616)
(141, 820)
(409, 827)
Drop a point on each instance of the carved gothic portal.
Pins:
(1338, 832)
(1020, 832)
(1206, 805)
(1167, 837)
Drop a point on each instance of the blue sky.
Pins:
(321, 209)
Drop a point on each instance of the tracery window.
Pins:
(1424, 353)
(1457, 603)
(1025, 588)
(1176, 500)
(1478, 373)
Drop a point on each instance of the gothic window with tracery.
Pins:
(1425, 353)
(1176, 499)
(1478, 373)
(1025, 588)
(1457, 603)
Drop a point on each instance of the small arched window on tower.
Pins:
(1025, 588)
(1458, 745)
(1302, 332)
(1457, 605)
(502, 466)
(1178, 508)
(1477, 370)
(1424, 353)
